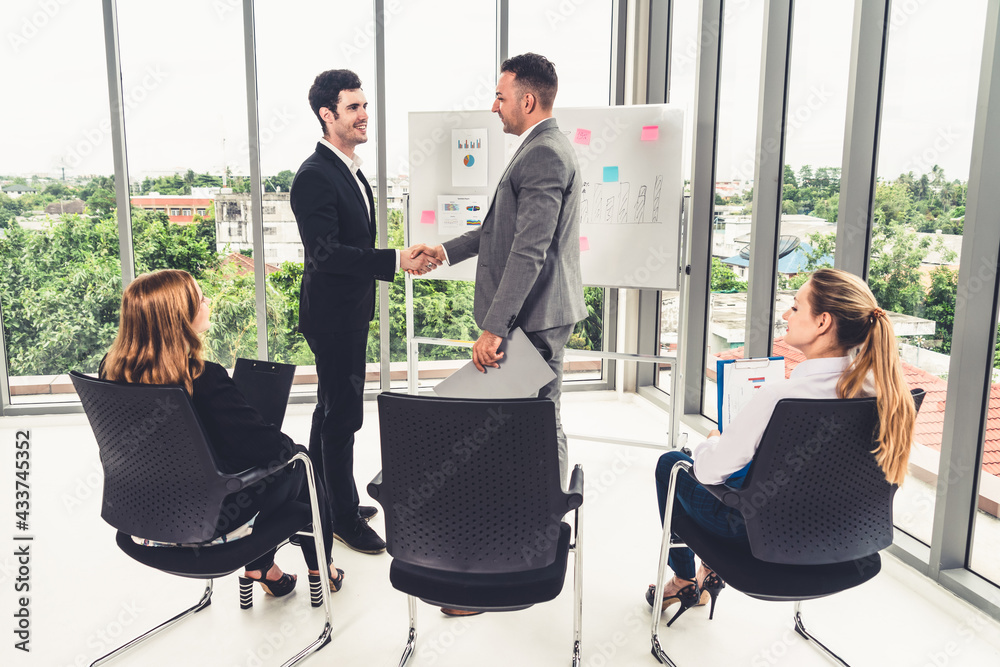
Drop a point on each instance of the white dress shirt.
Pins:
(722, 455)
(353, 165)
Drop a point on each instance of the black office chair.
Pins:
(817, 507)
(474, 505)
(161, 482)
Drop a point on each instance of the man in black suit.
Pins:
(335, 212)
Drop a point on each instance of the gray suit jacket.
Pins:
(529, 242)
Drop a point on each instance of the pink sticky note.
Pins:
(582, 137)
(650, 132)
(584, 244)
(427, 218)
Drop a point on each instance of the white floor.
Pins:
(87, 597)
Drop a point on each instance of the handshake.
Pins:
(420, 258)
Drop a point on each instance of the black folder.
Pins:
(266, 386)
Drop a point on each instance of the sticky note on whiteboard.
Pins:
(427, 217)
(582, 137)
(584, 244)
(650, 132)
(611, 174)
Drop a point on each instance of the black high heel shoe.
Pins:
(712, 585)
(688, 596)
(316, 587)
(279, 587)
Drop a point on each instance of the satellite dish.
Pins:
(786, 244)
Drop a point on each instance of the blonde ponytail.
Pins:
(861, 324)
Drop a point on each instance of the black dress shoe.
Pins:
(367, 512)
(361, 537)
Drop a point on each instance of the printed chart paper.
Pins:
(458, 214)
(738, 379)
(469, 158)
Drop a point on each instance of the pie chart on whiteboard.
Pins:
(468, 160)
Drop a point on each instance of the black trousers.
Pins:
(339, 413)
(269, 494)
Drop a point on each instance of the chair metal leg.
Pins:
(411, 640)
(666, 544)
(206, 599)
(577, 587)
(324, 568)
(801, 629)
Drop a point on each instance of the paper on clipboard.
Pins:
(738, 379)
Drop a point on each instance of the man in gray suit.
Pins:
(529, 243)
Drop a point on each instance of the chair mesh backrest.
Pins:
(160, 478)
(814, 493)
(471, 485)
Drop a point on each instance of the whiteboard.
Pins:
(630, 205)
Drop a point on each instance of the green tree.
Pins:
(894, 268)
(724, 279)
(280, 183)
(940, 304)
(158, 244)
(101, 202)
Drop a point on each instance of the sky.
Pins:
(185, 87)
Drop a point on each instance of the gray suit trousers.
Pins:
(551, 344)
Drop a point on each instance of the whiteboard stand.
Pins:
(675, 438)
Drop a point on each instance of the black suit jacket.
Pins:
(337, 227)
(240, 437)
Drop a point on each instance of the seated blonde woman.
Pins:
(850, 351)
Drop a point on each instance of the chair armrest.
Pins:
(727, 495)
(241, 480)
(375, 485)
(574, 496)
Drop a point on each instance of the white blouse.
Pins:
(722, 455)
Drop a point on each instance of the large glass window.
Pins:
(739, 91)
(187, 147)
(328, 36)
(683, 57)
(576, 37)
(557, 29)
(986, 526)
(442, 308)
(924, 154)
(60, 276)
(814, 148)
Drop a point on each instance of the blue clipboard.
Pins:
(720, 375)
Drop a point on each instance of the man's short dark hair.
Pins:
(534, 74)
(325, 91)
